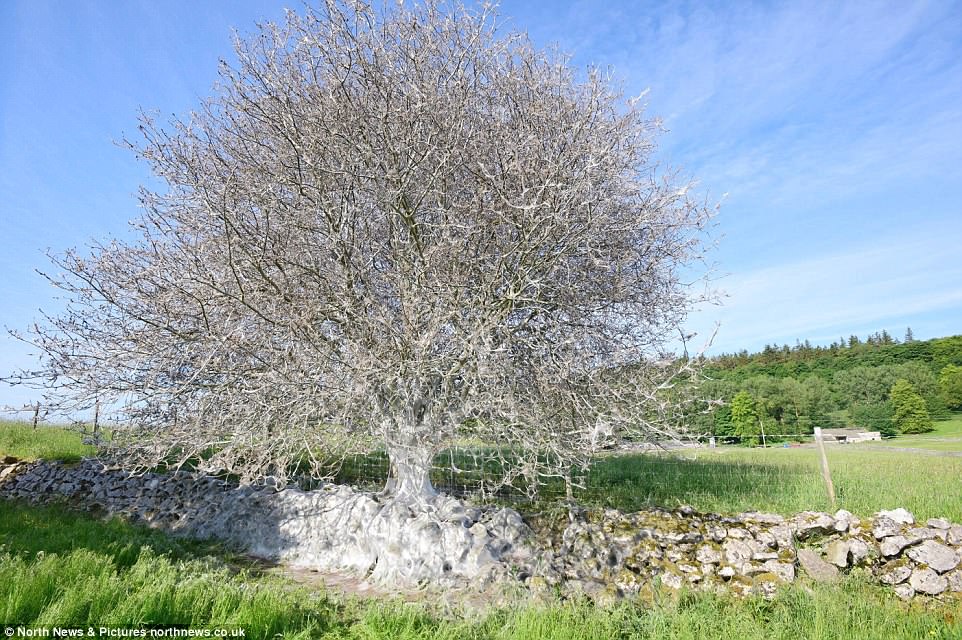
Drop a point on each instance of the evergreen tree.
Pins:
(909, 414)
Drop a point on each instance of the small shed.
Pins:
(849, 435)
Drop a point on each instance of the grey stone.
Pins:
(815, 567)
(784, 570)
(727, 571)
(8, 471)
(928, 581)
(858, 549)
(751, 569)
(843, 520)
(954, 536)
(939, 523)
(917, 534)
(783, 536)
(837, 552)
(736, 552)
(761, 517)
(811, 523)
(899, 516)
(708, 555)
(718, 534)
(904, 591)
(767, 538)
(954, 579)
(895, 573)
(885, 527)
(935, 555)
(672, 580)
(893, 545)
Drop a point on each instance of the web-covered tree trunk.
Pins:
(409, 478)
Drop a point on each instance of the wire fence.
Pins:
(727, 473)
(713, 472)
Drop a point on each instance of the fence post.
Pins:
(97, 421)
(36, 415)
(826, 473)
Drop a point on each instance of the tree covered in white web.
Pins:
(393, 230)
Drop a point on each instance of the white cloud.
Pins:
(873, 286)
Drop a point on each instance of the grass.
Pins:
(780, 480)
(947, 436)
(61, 568)
(726, 479)
(20, 439)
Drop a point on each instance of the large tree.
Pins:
(909, 414)
(950, 386)
(390, 229)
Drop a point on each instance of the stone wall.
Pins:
(604, 554)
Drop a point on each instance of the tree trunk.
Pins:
(410, 475)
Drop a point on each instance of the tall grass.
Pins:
(728, 479)
(20, 439)
(781, 480)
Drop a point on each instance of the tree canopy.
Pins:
(387, 229)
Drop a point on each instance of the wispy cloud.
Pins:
(832, 127)
(868, 288)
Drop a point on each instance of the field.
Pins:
(59, 567)
(730, 479)
(867, 477)
(947, 436)
(49, 442)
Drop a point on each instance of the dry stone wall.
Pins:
(605, 554)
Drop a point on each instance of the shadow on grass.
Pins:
(27, 529)
(625, 482)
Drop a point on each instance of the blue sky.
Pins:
(831, 134)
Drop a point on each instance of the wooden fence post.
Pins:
(826, 472)
(36, 415)
(97, 421)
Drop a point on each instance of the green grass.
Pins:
(726, 479)
(20, 439)
(780, 480)
(61, 568)
(947, 436)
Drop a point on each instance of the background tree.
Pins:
(391, 230)
(950, 386)
(744, 417)
(874, 417)
(909, 414)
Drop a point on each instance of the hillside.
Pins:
(791, 390)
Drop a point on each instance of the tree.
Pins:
(909, 336)
(874, 417)
(909, 414)
(950, 386)
(744, 417)
(393, 230)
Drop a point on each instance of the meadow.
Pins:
(60, 567)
